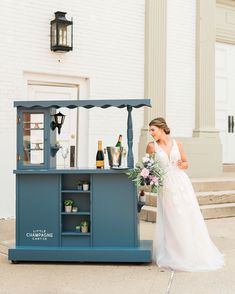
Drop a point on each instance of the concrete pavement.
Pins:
(67, 278)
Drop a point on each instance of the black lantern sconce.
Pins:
(58, 121)
(61, 33)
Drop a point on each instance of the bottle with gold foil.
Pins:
(119, 142)
(100, 156)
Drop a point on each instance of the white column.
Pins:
(205, 70)
(155, 64)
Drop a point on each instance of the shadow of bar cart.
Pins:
(44, 230)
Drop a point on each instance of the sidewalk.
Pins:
(85, 278)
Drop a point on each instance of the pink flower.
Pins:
(154, 181)
(144, 173)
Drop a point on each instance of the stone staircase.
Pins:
(216, 197)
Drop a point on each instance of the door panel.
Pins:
(38, 210)
(69, 129)
(225, 98)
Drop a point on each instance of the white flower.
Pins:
(145, 158)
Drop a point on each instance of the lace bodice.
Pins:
(165, 160)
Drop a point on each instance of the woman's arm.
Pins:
(183, 163)
(150, 148)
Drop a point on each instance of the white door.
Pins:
(225, 98)
(69, 130)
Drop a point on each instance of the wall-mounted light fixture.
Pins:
(61, 33)
(58, 121)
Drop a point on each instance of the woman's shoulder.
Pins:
(150, 147)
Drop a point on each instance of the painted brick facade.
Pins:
(108, 50)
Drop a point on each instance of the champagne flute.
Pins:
(64, 153)
(124, 152)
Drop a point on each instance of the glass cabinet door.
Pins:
(33, 139)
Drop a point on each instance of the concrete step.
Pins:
(148, 213)
(204, 198)
(229, 168)
(218, 210)
(213, 184)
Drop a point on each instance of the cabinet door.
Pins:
(38, 210)
(32, 141)
(114, 211)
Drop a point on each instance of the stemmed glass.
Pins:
(64, 153)
(124, 152)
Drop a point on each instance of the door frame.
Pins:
(82, 84)
(225, 10)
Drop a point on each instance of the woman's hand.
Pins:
(182, 164)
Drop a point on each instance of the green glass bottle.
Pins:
(119, 142)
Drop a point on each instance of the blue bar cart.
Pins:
(44, 230)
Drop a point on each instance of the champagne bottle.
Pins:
(119, 142)
(100, 156)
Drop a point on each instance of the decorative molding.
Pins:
(225, 23)
(226, 2)
(224, 36)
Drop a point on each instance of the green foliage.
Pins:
(84, 224)
(148, 172)
(68, 202)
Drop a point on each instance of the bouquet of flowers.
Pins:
(148, 172)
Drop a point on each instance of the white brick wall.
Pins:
(180, 102)
(108, 49)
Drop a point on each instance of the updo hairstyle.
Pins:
(160, 123)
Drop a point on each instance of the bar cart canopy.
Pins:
(120, 103)
(105, 103)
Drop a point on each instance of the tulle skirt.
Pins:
(182, 239)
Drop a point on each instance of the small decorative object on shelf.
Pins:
(85, 186)
(75, 209)
(68, 203)
(78, 229)
(37, 146)
(79, 185)
(84, 226)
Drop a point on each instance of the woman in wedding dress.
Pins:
(183, 242)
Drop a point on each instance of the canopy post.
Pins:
(130, 158)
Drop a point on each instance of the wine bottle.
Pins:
(119, 142)
(100, 156)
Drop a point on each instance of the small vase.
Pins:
(84, 229)
(85, 187)
(68, 208)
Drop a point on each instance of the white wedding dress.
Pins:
(183, 242)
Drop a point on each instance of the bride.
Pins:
(183, 242)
